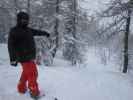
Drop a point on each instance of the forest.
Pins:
(73, 30)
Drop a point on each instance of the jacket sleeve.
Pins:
(11, 50)
(39, 33)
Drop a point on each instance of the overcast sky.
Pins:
(92, 6)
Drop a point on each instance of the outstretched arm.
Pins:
(39, 32)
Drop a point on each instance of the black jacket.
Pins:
(21, 44)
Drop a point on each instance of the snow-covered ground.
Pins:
(91, 81)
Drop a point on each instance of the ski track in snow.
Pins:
(91, 81)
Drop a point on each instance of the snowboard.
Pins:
(43, 96)
(37, 97)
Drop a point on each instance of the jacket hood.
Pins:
(22, 19)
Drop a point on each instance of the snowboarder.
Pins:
(21, 47)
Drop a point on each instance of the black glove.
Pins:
(48, 35)
(14, 63)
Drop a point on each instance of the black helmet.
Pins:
(22, 19)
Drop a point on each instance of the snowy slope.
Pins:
(91, 81)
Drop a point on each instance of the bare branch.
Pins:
(113, 24)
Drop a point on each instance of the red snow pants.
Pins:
(29, 75)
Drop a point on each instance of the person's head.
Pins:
(22, 19)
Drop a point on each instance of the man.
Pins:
(21, 47)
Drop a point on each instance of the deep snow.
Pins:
(90, 81)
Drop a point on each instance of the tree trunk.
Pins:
(57, 24)
(125, 67)
(28, 7)
(70, 46)
(56, 40)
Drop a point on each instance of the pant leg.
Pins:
(32, 78)
(23, 80)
